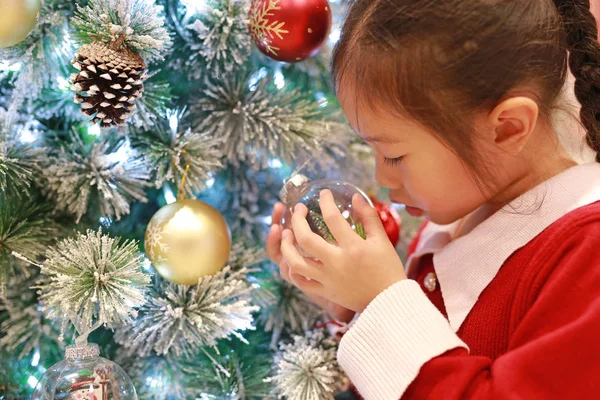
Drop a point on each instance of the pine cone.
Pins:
(110, 81)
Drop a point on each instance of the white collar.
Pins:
(465, 266)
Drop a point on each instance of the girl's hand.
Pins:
(351, 273)
(336, 311)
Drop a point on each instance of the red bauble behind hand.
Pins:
(289, 30)
(390, 220)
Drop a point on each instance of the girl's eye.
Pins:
(392, 161)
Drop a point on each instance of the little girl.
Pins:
(500, 297)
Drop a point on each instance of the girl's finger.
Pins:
(308, 286)
(284, 271)
(312, 243)
(298, 264)
(368, 217)
(278, 210)
(335, 221)
(273, 244)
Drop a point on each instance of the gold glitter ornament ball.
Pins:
(17, 19)
(187, 240)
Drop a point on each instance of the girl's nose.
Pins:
(387, 177)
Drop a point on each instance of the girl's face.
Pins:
(417, 168)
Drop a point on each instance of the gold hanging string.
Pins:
(181, 195)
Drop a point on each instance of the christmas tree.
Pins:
(111, 110)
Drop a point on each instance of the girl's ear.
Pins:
(513, 122)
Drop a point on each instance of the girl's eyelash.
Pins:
(392, 161)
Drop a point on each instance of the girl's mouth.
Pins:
(414, 211)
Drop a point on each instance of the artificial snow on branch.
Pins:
(245, 197)
(259, 121)
(139, 21)
(283, 307)
(307, 369)
(26, 227)
(110, 176)
(155, 377)
(181, 319)
(26, 329)
(247, 365)
(244, 257)
(152, 106)
(93, 278)
(217, 36)
(171, 150)
(18, 160)
(43, 55)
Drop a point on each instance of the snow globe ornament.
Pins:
(299, 189)
(84, 375)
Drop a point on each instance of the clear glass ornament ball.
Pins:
(84, 375)
(308, 194)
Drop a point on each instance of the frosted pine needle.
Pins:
(139, 20)
(109, 176)
(155, 377)
(258, 123)
(219, 37)
(242, 257)
(307, 369)
(44, 53)
(247, 365)
(170, 149)
(152, 106)
(245, 196)
(179, 319)
(19, 153)
(94, 277)
(27, 330)
(14, 172)
(25, 226)
(284, 308)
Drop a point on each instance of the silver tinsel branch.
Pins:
(307, 369)
(93, 278)
(170, 150)
(181, 319)
(283, 308)
(259, 123)
(217, 36)
(111, 175)
(27, 330)
(139, 20)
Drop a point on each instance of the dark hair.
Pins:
(442, 61)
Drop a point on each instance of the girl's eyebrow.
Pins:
(386, 139)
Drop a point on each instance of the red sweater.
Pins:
(535, 331)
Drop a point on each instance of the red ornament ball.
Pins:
(390, 220)
(289, 30)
